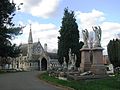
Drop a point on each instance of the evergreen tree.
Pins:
(113, 49)
(8, 31)
(69, 37)
(79, 54)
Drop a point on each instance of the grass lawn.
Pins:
(110, 83)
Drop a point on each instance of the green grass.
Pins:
(110, 83)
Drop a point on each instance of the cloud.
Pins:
(110, 30)
(40, 8)
(111, 26)
(46, 33)
(89, 19)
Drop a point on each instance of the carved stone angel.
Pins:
(85, 38)
(97, 31)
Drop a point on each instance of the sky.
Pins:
(45, 16)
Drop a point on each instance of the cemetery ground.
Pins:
(109, 83)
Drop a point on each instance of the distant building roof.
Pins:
(23, 48)
(52, 55)
(24, 51)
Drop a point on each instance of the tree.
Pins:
(8, 31)
(79, 54)
(113, 49)
(69, 37)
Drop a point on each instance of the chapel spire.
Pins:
(30, 39)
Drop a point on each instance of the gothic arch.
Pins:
(43, 64)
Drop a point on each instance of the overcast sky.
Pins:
(46, 16)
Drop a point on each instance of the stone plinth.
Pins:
(98, 67)
(85, 60)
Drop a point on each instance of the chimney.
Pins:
(45, 47)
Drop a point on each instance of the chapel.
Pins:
(34, 57)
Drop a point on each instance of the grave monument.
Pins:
(97, 66)
(85, 53)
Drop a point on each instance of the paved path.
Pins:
(24, 81)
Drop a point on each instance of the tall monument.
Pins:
(85, 53)
(97, 67)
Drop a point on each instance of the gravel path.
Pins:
(24, 81)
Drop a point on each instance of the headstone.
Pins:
(110, 69)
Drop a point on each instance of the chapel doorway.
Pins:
(43, 64)
(38, 65)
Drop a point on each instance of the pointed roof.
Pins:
(30, 39)
(40, 44)
(37, 44)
